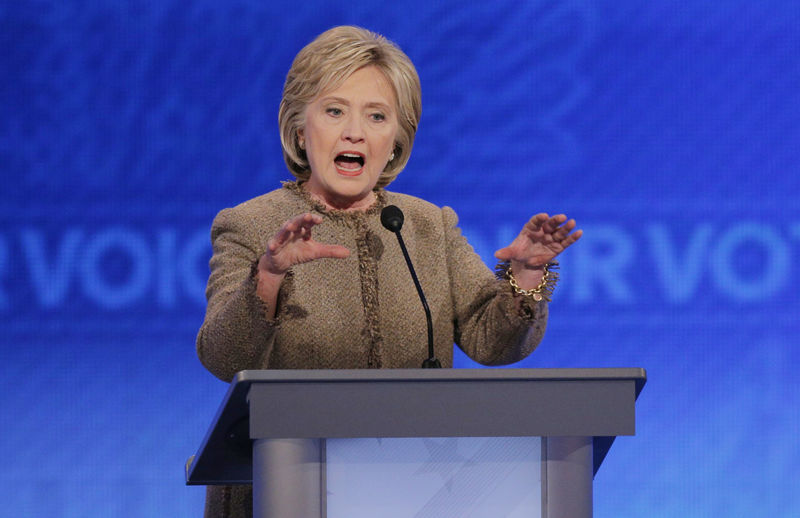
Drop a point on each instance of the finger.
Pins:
(331, 251)
(285, 233)
(562, 231)
(570, 239)
(536, 222)
(297, 227)
(504, 254)
(309, 220)
(552, 224)
(306, 223)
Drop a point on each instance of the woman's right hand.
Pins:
(292, 245)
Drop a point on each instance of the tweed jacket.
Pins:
(358, 312)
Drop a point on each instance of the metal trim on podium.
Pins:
(271, 427)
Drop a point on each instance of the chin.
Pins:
(359, 185)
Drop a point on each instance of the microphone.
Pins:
(392, 220)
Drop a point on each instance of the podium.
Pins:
(274, 427)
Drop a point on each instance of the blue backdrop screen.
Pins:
(668, 130)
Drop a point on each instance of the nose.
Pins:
(353, 130)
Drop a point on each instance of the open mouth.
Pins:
(349, 163)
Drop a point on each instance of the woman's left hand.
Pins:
(540, 241)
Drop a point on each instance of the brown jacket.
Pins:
(358, 312)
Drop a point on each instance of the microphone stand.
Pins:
(392, 220)
(431, 362)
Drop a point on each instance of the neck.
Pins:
(343, 204)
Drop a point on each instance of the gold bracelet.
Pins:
(545, 288)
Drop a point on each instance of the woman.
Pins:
(305, 277)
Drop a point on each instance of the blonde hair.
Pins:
(326, 63)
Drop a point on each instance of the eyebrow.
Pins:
(376, 104)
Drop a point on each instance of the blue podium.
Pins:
(418, 442)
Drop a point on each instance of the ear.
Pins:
(301, 139)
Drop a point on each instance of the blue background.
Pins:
(669, 130)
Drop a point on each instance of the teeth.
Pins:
(351, 155)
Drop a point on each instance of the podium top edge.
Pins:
(377, 375)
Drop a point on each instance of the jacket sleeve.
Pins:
(493, 326)
(236, 333)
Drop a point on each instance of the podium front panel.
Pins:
(480, 477)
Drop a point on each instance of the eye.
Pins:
(333, 111)
(377, 117)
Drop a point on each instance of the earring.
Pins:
(301, 143)
(391, 157)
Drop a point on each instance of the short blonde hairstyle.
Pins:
(325, 64)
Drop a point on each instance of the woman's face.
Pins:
(349, 135)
